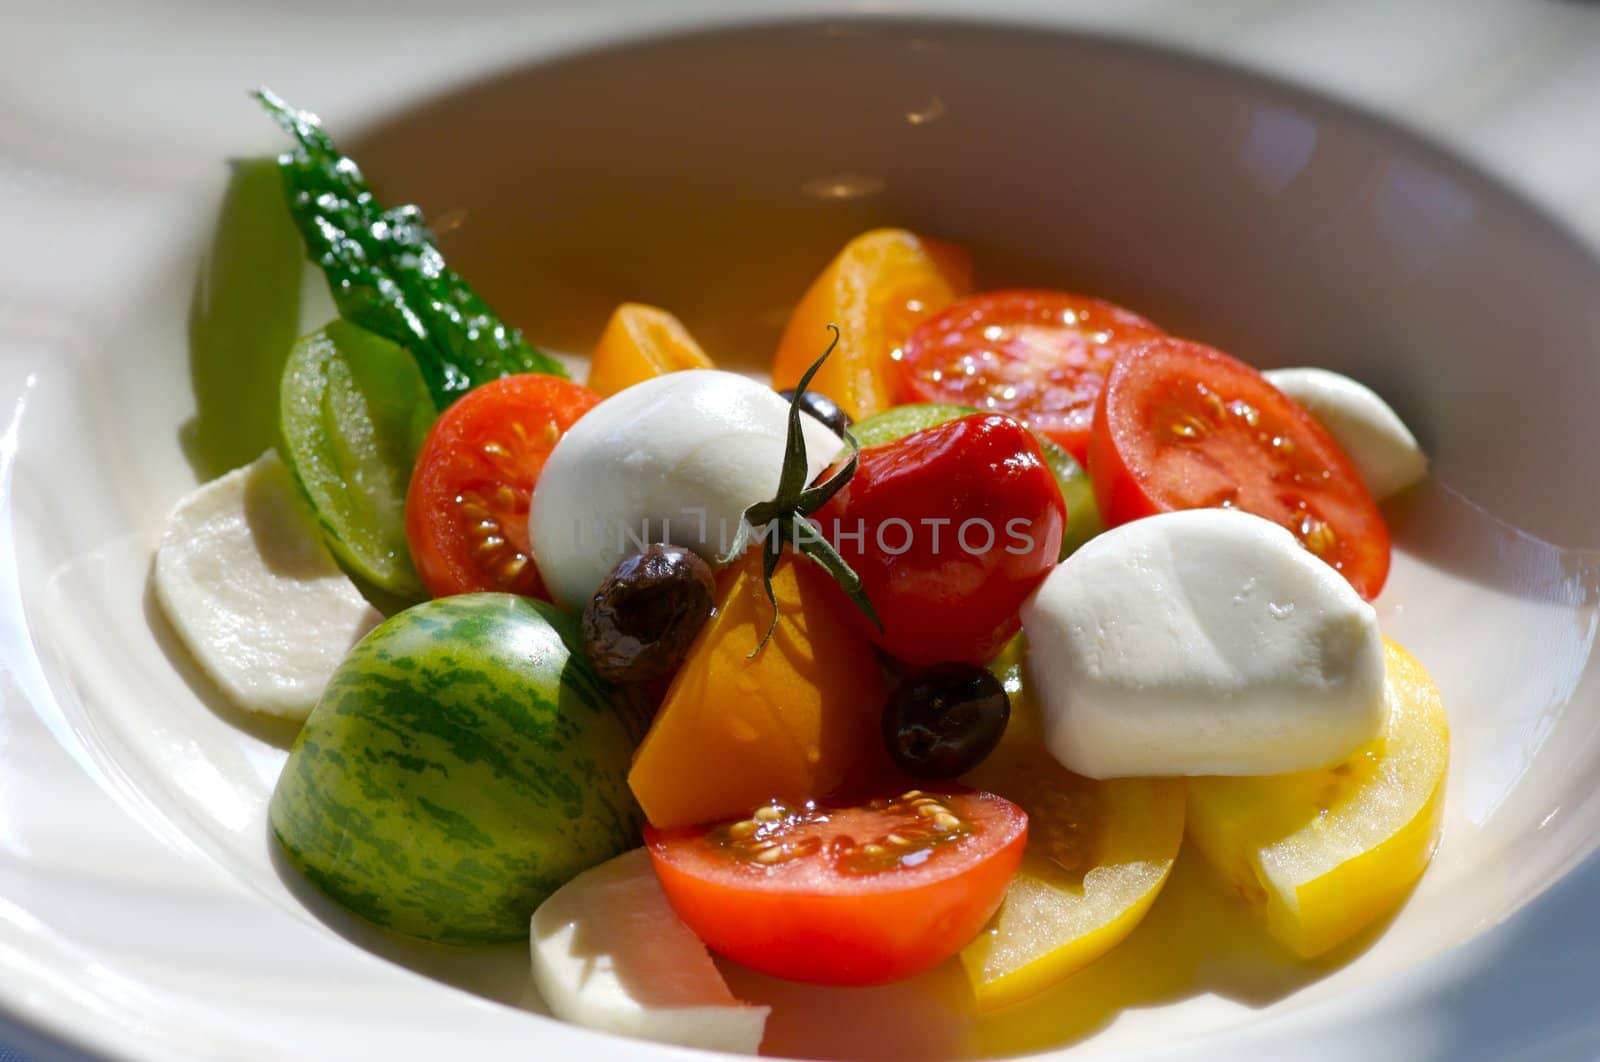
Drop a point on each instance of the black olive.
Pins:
(822, 407)
(942, 721)
(646, 612)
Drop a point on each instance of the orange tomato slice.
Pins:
(641, 342)
(880, 287)
(795, 721)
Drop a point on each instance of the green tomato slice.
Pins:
(899, 421)
(354, 411)
(1083, 518)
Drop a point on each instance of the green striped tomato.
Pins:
(463, 764)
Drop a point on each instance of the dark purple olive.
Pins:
(821, 407)
(942, 721)
(644, 615)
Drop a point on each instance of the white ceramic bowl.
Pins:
(142, 910)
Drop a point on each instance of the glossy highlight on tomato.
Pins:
(1040, 356)
(1183, 426)
(467, 507)
(949, 528)
(845, 894)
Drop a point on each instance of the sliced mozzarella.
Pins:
(1377, 441)
(677, 458)
(243, 575)
(1202, 642)
(609, 953)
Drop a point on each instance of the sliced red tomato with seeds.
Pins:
(467, 507)
(1040, 356)
(845, 894)
(1183, 426)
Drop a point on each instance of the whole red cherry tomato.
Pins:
(949, 528)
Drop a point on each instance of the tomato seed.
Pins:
(1317, 535)
(1187, 427)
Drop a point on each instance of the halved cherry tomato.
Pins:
(467, 508)
(1183, 426)
(949, 528)
(1040, 356)
(641, 342)
(856, 894)
(875, 291)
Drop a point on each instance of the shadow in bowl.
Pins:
(1444, 528)
(500, 973)
(1198, 940)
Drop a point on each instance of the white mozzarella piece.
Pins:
(677, 458)
(1202, 642)
(246, 581)
(610, 954)
(1379, 444)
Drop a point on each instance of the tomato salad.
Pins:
(938, 654)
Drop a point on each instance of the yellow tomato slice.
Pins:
(879, 288)
(1326, 853)
(737, 728)
(640, 342)
(1098, 854)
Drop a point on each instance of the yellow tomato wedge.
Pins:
(641, 342)
(1098, 854)
(1326, 853)
(879, 288)
(795, 721)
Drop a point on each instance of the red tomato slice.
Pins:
(467, 507)
(845, 895)
(1182, 426)
(1040, 356)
